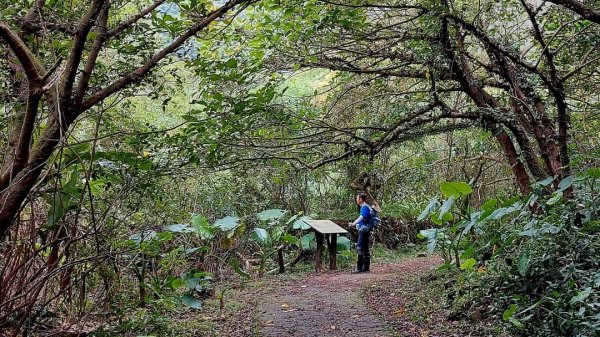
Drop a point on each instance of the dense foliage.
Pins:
(153, 151)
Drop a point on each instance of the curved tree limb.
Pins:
(579, 8)
(143, 70)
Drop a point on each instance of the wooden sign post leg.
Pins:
(333, 252)
(319, 250)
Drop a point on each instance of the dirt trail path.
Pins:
(330, 304)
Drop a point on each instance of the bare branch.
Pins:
(33, 69)
(140, 72)
(134, 19)
(90, 63)
(85, 25)
(579, 8)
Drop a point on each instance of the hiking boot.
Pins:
(366, 265)
(359, 264)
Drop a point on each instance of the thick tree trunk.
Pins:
(518, 169)
(12, 197)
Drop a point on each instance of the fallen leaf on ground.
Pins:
(399, 311)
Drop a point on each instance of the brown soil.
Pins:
(331, 303)
(392, 300)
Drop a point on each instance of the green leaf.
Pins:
(508, 313)
(546, 182)
(289, 238)
(593, 173)
(566, 183)
(581, 296)
(177, 283)
(64, 200)
(428, 233)
(489, 205)
(440, 221)
(271, 214)
(235, 265)
(429, 209)
(292, 219)
(179, 228)
(165, 236)
(261, 234)
(227, 223)
(432, 236)
(202, 227)
(301, 223)
(308, 241)
(446, 206)
(231, 63)
(343, 243)
(556, 198)
(468, 264)
(191, 302)
(523, 263)
(455, 188)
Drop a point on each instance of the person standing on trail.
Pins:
(361, 223)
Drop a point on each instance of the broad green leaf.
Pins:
(191, 302)
(179, 228)
(499, 213)
(289, 238)
(566, 183)
(343, 243)
(261, 234)
(446, 206)
(271, 214)
(546, 182)
(308, 241)
(164, 236)
(301, 224)
(431, 244)
(227, 223)
(508, 313)
(428, 233)
(468, 264)
(440, 221)
(470, 223)
(292, 219)
(455, 188)
(489, 205)
(467, 253)
(202, 227)
(429, 209)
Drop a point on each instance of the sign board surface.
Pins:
(326, 227)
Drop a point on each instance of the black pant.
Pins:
(364, 256)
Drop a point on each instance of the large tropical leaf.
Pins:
(227, 223)
(271, 214)
(455, 188)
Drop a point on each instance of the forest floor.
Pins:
(395, 299)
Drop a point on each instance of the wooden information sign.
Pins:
(326, 229)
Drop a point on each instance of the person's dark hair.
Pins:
(362, 196)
